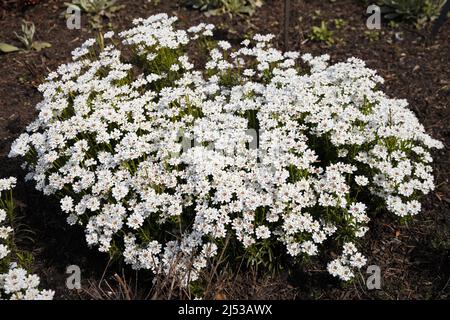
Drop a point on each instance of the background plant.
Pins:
(214, 7)
(322, 33)
(417, 11)
(27, 39)
(98, 10)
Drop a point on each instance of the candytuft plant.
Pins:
(15, 282)
(168, 163)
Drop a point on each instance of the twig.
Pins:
(217, 264)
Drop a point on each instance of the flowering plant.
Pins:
(15, 282)
(166, 160)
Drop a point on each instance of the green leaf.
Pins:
(247, 10)
(214, 12)
(116, 8)
(38, 45)
(5, 48)
(391, 16)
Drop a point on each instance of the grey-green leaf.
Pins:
(38, 45)
(5, 48)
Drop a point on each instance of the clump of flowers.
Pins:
(15, 282)
(163, 158)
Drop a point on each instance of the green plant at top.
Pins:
(418, 11)
(216, 7)
(97, 10)
(432, 8)
(411, 9)
(372, 35)
(339, 23)
(322, 33)
(26, 38)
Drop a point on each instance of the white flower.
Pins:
(335, 268)
(4, 251)
(120, 191)
(349, 248)
(209, 250)
(7, 184)
(249, 72)
(108, 35)
(262, 232)
(67, 204)
(342, 153)
(413, 207)
(2, 215)
(4, 232)
(293, 248)
(309, 248)
(135, 221)
(225, 45)
(358, 260)
(361, 231)
(343, 266)
(72, 219)
(175, 67)
(361, 180)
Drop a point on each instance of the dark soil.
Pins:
(414, 258)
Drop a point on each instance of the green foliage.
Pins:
(393, 24)
(24, 259)
(97, 10)
(372, 35)
(94, 6)
(28, 30)
(322, 33)
(340, 23)
(216, 7)
(417, 11)
(411, 9)
(26, 38)
(6, 48)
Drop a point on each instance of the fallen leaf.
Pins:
(220, 296)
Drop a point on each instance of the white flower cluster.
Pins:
(15, 282)
(349, 260)
(163, 158)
